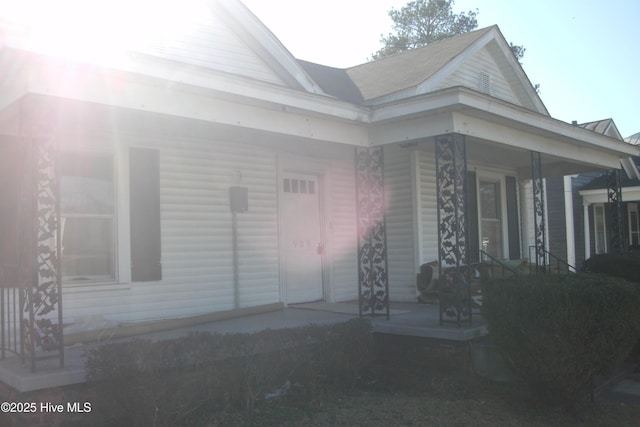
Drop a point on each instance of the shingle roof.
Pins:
(333, 81)
(410, 68)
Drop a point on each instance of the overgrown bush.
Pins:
(625, 265)
(184, 381)
(558, 331)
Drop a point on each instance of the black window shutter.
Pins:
(472, 217)
(513, 224)
(144, 187)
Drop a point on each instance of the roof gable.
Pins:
(605, 127)
(220, 35)
(457, 61)
(409, 69)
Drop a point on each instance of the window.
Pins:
(87, 217)
(634, 225)
(599, 226)
(491, 218)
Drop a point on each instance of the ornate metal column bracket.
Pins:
(538, 211)
(373, 278)
(42, 303)
(455, 280)
(614, 198)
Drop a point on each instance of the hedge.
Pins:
(185, 381)
(558, 331)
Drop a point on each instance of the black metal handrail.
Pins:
(493, 261)
(560, 264)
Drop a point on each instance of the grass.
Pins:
(408, 396)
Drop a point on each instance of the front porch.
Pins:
(406, 319)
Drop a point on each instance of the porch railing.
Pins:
(11, 303)
(553, 264)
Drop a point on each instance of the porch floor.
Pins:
(408, 319)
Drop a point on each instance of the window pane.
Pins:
(86, 184)
(87, 248)
(490, 204)
(600, 235)
(490, 221)
(87, 217)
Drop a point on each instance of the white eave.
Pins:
(482, 106)
(151, 71)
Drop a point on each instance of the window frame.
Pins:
(596, 238)
(632, 208)
(496, 178)
(99, 281)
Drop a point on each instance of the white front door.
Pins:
(301, 238)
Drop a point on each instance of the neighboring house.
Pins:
(214, 172)
(583, 199)
(602, 215)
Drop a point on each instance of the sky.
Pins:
(584, 54)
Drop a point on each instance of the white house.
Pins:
(209, 171)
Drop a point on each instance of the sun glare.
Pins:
(98, 30)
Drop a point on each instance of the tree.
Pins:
(421, 22)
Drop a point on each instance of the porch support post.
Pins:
(538, 212)
(42, 329)
(587, 231)
(454, 278)
(614, 198)
(373, 277)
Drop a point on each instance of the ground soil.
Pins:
(406, 396)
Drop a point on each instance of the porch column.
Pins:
(373, 277)
(454, 278)
(41, 321)
(538, 211)
(587, 232)
(614, 198)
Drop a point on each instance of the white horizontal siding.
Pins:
(196, 224)
(429, 206)
(197, 263)
(399, 221)
(210, 43)
(468, 75)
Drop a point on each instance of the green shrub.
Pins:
(625, 265)
(558, 331)
(184, 381)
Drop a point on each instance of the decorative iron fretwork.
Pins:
(41, 322)
(455, 281)
(373, 278)
(42, 303)
(538, 211)
(614, 198)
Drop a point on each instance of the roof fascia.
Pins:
(467, 100)
(612, 127)
(43, 78)
(630, 168)
(267, 45)
(599, 195)
(520, 73)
